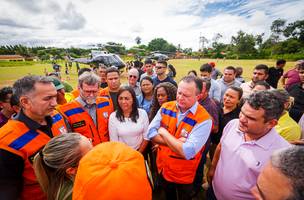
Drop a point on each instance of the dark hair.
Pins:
(148, 78)
(192, 71)
(262, 83)
(268, 101)
(282, 95)
(238, 90)
(4, 92)
(148, 61)
(231, 68)
(112, 69)
(262, 67)
(162, 62)
(196, 80)
(281, 61)
(82, 70)
(171, 91)
(289, 161)
(26, 84)
(301, 66)
(206, 68)
(171, 67)
(207, 82)
(14, 101)
(238, 71)
(134, 113)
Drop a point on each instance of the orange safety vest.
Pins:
(81, 122)
(18, 139)
(173, 167)
(106, 94)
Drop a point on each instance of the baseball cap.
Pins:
(57, 83)
(112, 170)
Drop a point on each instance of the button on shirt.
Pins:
(198, 137)
(241, 161)
(90, 109)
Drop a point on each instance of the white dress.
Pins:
(129, 132)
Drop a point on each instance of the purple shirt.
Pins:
(241, 162)
(292, 77)
(3, 119)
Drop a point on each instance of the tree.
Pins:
(244, 43)
(295, 30)
(277, 28)
(138, 40)
(160, 44)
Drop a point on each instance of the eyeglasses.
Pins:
(132, 76)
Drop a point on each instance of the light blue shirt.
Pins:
(91, 109)
(198, 137)
(224, 86)
(215, 90)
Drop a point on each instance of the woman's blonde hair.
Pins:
(50, 165)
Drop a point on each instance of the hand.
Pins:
(182, 139)
(298, 142)
(155, 147)
(162, 131)
(210, 174)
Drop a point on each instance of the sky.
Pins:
(84, 23)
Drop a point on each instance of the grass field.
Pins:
(11, 71)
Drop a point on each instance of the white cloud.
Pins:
(64, 24)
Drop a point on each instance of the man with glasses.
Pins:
(161, 76)
(133, 76)
(88, 114)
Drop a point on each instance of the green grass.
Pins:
(11, 71)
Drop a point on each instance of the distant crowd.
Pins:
(213, 135)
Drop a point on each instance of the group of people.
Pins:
(107, 140)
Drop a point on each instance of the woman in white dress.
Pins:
(129, 124)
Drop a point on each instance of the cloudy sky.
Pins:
(65, 23)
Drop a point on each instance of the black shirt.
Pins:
(114, 99)
(156, 81)
(297, 109)
(12, 165)
(104, 85)
(274, 76)
(224, 119)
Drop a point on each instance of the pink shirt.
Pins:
(241, 162)
(292, 77)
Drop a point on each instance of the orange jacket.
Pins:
(18, 139)
(81, 122)
(173, 167)
(106, 94)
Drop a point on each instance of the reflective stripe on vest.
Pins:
(173, 167)
(23, 140)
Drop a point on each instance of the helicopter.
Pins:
(102, 57)
(158, 55)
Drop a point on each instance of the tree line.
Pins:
(285, 41)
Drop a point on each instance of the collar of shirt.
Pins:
(192, 109)
(31, 124)
(83, 103)
(265, 142)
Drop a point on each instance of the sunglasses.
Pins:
(160, 67)
(132, 76)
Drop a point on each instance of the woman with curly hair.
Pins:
(163, 93)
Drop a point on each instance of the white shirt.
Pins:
(129, 132)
